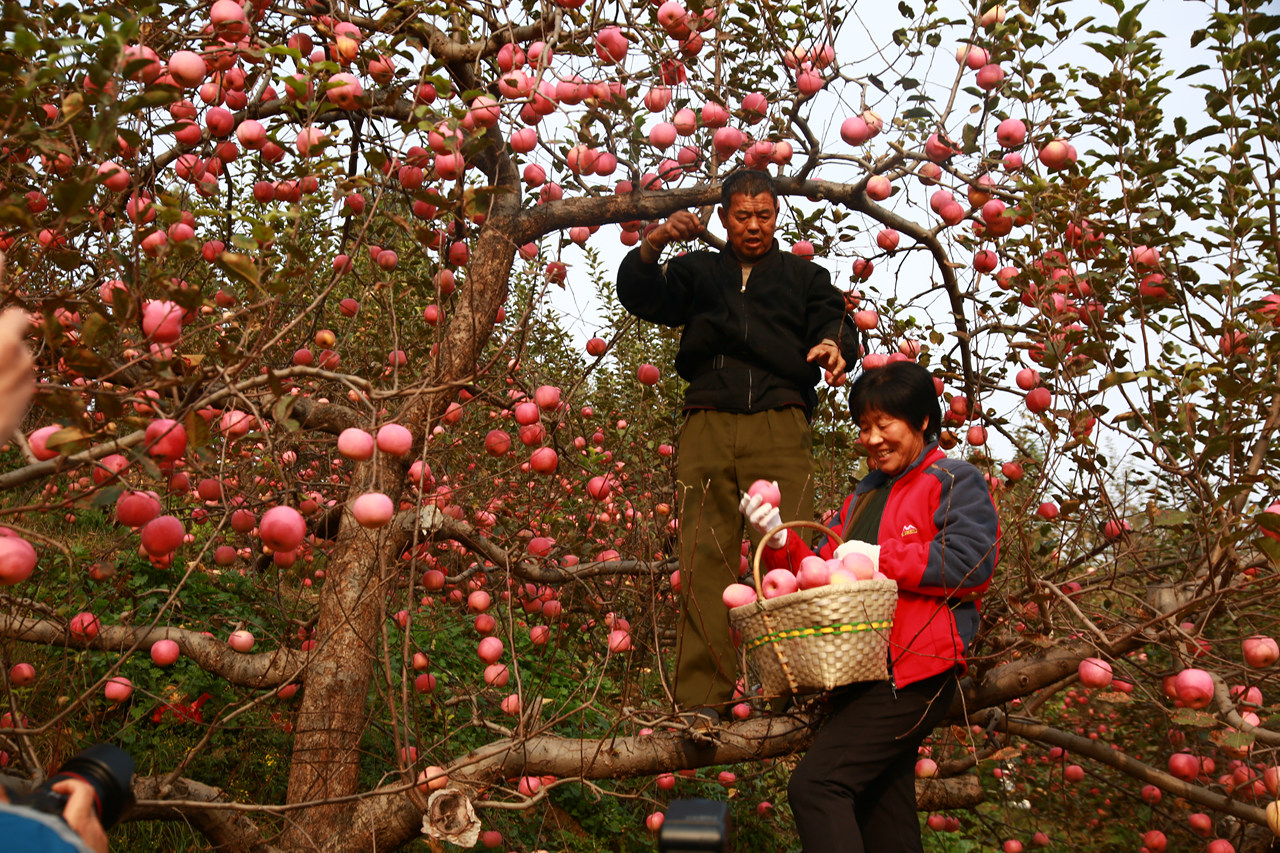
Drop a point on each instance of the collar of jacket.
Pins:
(876, 479)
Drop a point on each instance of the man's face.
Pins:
(750, 222)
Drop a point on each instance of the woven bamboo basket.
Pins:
(817, 639)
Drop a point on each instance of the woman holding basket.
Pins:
(930, 524)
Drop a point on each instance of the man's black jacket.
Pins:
(763, 331)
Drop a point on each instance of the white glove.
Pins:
(763, 517)
(856, 546)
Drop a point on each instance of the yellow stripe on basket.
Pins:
(819, 630)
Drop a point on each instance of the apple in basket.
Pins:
(859, 565)
(779, 582)
(738, 594)
(814, 572)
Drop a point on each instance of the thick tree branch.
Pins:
(39, 470)
(261, 671)
(398, 817)
(228, 831)
(1108, 755)
(1027, 675)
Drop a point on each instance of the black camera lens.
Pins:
(109, 771)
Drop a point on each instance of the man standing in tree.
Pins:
(758, 324)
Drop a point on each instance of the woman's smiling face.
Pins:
(892, 443)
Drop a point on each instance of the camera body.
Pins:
(107, 769)
(696, 826)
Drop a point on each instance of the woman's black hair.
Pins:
(900, 389)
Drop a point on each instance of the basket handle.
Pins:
(764, 543)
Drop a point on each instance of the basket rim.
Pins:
(782, 602)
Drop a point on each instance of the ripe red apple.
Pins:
(599, 488)
(118, 689)
(22, 674)
(282, 528)
(1201, 824)
(1055, 155)
(768, 492)
(619, 641)
(355, 443)
(1154, 840)
(1047, 510)
(1095, 672)
(162, 536)
(164, 652)
(497, 442)
(814, 572)
(887, 239)
(187, 68)
(162, 320)
(490, 649)
(394, 439)
(373, 509)
(779, 582)
(1194, 687)
(432, 778)
(1039, 400)
(597, 347)
(547, 397)
(84, 625)
(241, 641)
(1115, 528)
(855, 131)
(17, 560)
(496, 675)
(857, 565)
(648, 374)
(879, 188)
(1011, 133)
(738, 595)
(544, 460)
(1260, 651)
(926, 768)
(989, 76)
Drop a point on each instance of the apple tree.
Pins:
(329, 511)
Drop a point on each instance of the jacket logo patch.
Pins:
(909, 530)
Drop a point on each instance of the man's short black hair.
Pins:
(748, 182)
(899, 389)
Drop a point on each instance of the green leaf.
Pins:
(283, 407)
(197, 430)
(107, 496)
(1270, 547)
(1235, 740)
(1196, 719)
(242, 267)
(68, 440)
(1111, 380)
(93, 330)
